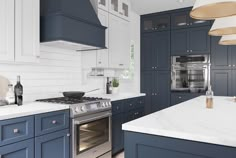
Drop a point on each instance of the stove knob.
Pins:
(83, 109)
(103, 105)
(107, 104)
(77, 110)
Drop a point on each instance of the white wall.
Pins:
(57, 71)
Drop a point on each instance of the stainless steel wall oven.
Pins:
(190, 73)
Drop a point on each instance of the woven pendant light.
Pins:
(212, 9)
(228, 40)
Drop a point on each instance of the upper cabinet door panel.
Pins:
(7, 30)
(120, 8)
(199, 40)
(156, 23)
(103, 4)
(220, 56)
(179, 42)
(146, 51)
(179, 20)
(27, 30)
(119, 42)
(162, 50)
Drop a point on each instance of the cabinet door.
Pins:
(232, 52)
(146, 87)
(119, 42)
(146, 51)
(24, 149)
(53, 145)
(117, 133)
(124, 9)
(199, 40)
(220, 56)
(27, 30)
(221, 82)
(154, 96)
(179, 42)
(180, 20)
(7, 30)
(102, 55)
(103, 4)
(163, 90)
(161, 50)
(233, 83)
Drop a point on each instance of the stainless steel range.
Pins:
(90, 126)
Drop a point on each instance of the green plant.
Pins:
(115, 82)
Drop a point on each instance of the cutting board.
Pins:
(4, 82)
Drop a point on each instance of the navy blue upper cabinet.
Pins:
(183, 20)
(179, 42)
(199, 40)
(24, 149)
(155, 23)
(222, 57)
(156, 51)
(55, 145)
(221, 81)
(190, 41)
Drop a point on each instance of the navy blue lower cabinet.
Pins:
(24, 149)
(54, 145)
(177, 98)
(139, 145)
(117, 133)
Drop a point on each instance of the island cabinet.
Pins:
(190, 41)
(40, 136)
(155, 50)
(156, 85)
(124, 111)
(177, 98)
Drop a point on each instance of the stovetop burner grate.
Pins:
(66, 100)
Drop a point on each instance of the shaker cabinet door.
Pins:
(220, 55)
(146, 52)
(7, 31)
(221, 82)
(179, 42)
(24, 149)
(117, 133)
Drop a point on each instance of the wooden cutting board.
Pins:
(4, 82)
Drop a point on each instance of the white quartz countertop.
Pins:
(14, 111)
(120, 96)
(192, 121)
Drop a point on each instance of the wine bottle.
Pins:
(18, 89)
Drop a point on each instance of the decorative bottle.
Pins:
(209, 98)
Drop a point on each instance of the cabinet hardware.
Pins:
(155, 28)
(229, 65)
(187, 24)
(121, 13)
(180, 97)
(152, 67)
(191, 50)
(130, 105)
(121, 64)
(117, 107)
(37, 56)
(191, 23)
(16, 131)
(54, 122)
(99, 62)
(152, 28)
(233, 65)
(187, 50)
(68, 135)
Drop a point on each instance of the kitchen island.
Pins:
(186, 130)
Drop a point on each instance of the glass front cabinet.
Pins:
(120, 8)
(156, 23)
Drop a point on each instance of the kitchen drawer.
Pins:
(131, 104)
(117, 107)
(51, 122)
(16, 130)
(134, 114)
(177, 98)
(141, 102)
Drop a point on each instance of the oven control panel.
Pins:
(91, 107)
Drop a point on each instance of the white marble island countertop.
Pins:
(192, 121)
(14, 111)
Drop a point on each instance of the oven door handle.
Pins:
(82, 121)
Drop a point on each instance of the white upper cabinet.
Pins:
(27, 30)
(19, 33)
(119, 43)
(103, 4)
(102, 55)
(7, 30)
(120, 8)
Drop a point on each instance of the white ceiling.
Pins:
(153, 6)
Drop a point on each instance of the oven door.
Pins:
(91, 135)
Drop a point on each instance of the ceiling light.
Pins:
(228, 40)
(212, 9)
(224, 26)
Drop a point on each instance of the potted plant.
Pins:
(115, 86)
